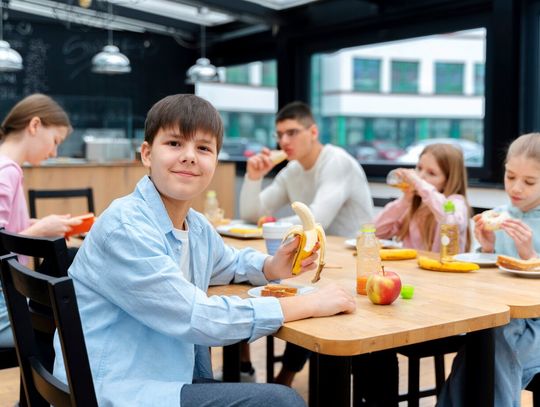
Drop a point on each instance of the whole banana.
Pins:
(310, 233)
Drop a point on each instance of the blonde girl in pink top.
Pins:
(416, 216)
(31, 132)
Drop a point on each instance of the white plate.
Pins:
(302, 289)
(225, 230)
(385, 243)
(522, 273)
(482, 259)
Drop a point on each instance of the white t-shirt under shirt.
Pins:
(182, 236)
(335, 189)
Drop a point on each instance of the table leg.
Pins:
(231, 363)
(329, 380)
(479, 368)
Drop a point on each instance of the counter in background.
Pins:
(110, 181)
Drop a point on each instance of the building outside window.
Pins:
(395, 96)
(479, 78)
(237, 74)
(448, 78)
(367, 75)
(404, 77)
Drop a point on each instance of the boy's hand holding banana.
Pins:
(299, 254)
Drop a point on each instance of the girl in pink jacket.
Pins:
(415, 217)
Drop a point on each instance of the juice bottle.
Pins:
(212, 211)
(449, 233)
(368, 259)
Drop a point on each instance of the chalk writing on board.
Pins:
(35, 78)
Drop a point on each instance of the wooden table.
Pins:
(444, 304)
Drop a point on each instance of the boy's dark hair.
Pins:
(189, 113)
(298, 111)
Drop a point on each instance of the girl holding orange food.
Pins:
(416, 216)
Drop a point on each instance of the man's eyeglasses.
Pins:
(291, 133)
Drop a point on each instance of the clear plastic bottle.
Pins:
(211, 208)
(449, 233)
(368, 259)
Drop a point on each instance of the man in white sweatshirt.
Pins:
(334, 186)
(324, 177)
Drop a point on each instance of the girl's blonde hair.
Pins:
(527, 145)
(37, 105)
(450, 160)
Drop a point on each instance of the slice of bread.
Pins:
(514, 263)
(278, 290)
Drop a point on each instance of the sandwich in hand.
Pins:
(278, 156)
(514, 263)
(493, 219)
(278, 290)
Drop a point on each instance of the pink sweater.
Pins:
(13, 210)
(390, 219)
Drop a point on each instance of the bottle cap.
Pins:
(449, 206)
(368, 228)
(211, 194)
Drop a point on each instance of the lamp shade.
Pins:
(110, 61)
(10, 60)
(202, 71)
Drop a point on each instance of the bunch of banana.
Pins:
(397, 254)
(310, 233)
(453, 266)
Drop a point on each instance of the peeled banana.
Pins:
(310, 233)
(397, 254)
(453, 266)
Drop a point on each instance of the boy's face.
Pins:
(180, 168)
(522, 182)
(295, 138)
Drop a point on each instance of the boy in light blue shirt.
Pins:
(142, 274)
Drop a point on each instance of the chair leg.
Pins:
(270, 359)
(439, 372)
(413, 397)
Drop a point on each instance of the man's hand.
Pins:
(259, 165)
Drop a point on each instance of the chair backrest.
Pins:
(21, 284)
(34, 194)
(53, 251)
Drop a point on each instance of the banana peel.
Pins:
(397, 254)
(453, 266)
(310, 234)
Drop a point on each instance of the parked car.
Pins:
(239, 149)
(473, 153)
(375, 150)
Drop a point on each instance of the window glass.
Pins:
(404, 77)
(385, 102)
(247, 102)
(479, 78)
(367, 75)
(448, 78)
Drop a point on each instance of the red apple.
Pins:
(383, 287)
(265, 219)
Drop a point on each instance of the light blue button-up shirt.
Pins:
(141, 318)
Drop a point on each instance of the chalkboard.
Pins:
(57, 61)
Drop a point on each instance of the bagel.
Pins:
(493, 219)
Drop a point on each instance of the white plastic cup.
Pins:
(273, 234)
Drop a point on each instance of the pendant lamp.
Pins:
(203, 70)
(10, 60)
(110, 60)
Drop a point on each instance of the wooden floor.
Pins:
(9, 378)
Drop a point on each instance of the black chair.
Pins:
(534, 387)
(34, 194)
(55, 261)
(21, 284)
